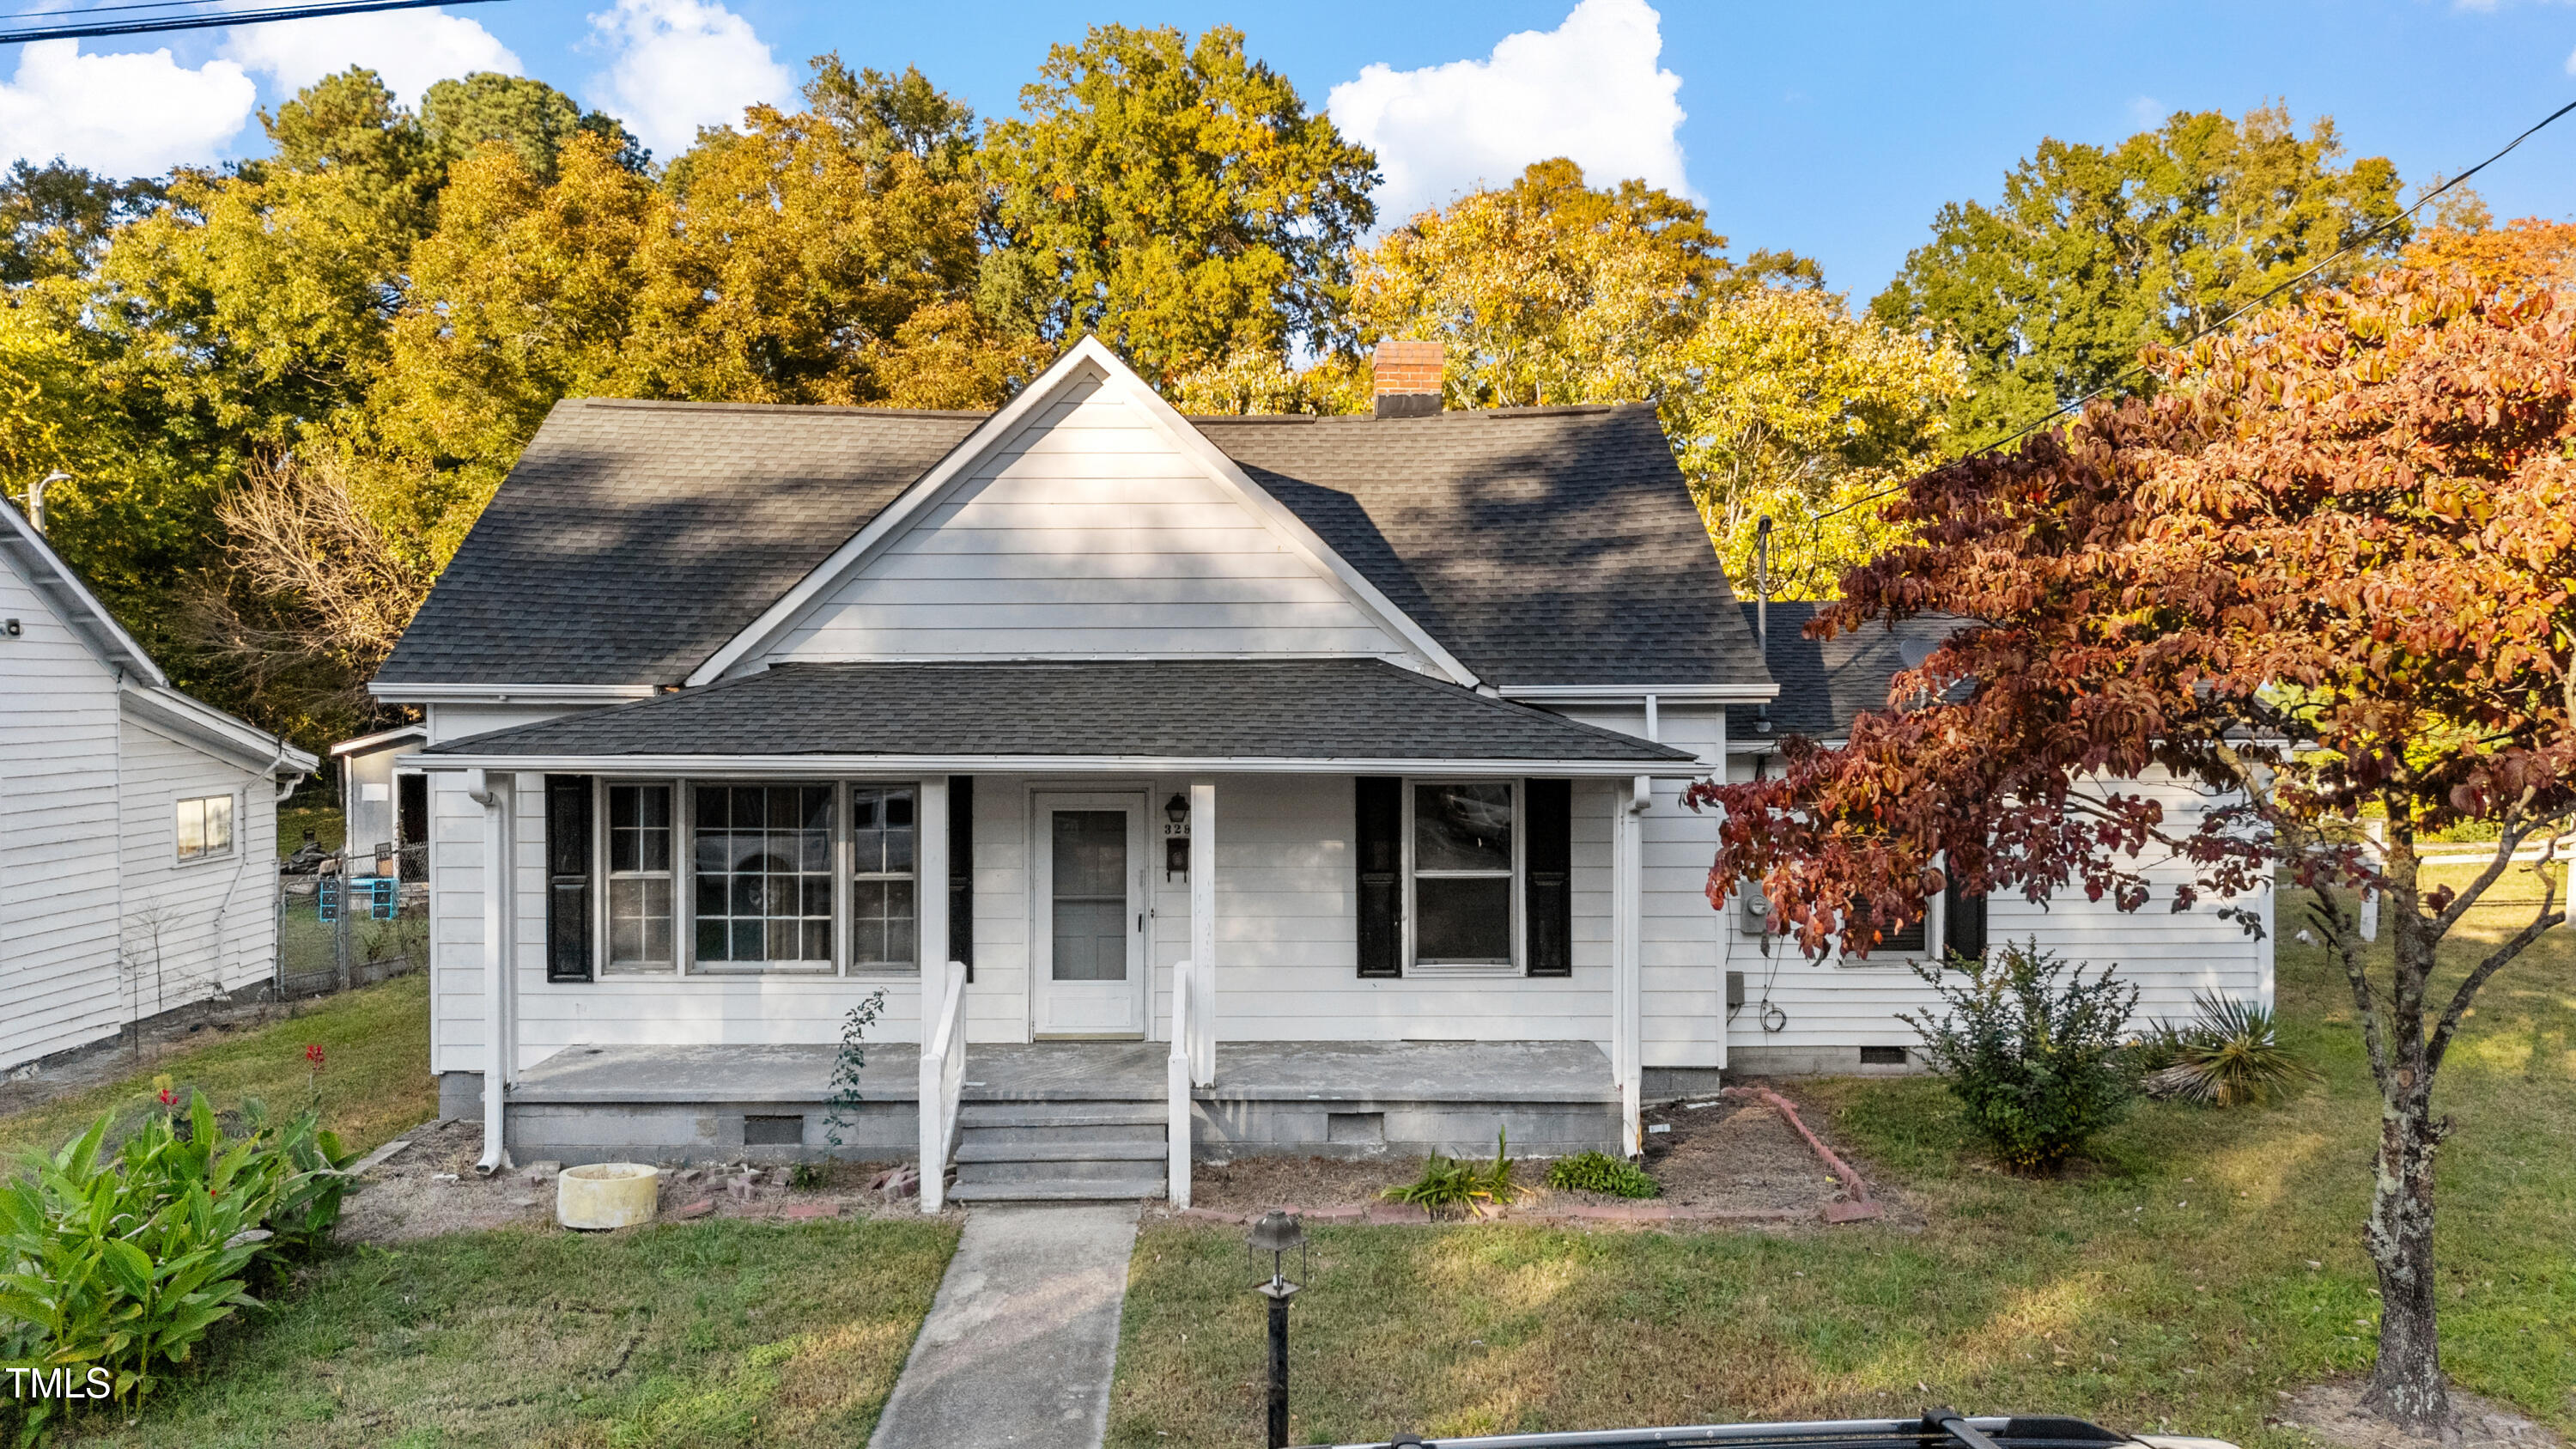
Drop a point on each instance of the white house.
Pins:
(138, 826)
(1291, 783)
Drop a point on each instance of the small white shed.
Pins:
(138, 826)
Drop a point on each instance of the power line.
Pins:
(2062, 409)
(203, 20)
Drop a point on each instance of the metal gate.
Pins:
(348, 919)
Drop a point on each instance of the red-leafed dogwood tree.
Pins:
(2324, 573)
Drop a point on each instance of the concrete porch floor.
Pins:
(1294, 1071)
(1330, 1098)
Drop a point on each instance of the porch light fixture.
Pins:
(1176, 838)
(1278, 1235)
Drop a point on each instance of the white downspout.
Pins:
(486, 792)
(1627, 997)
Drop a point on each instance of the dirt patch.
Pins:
(1734, 1156)
(2332, 1411)
(430, 1188)
(1720, 1159)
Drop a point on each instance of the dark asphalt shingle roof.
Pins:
(1322, 709)
(1824, 683)
(1541, 546)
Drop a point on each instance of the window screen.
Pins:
(763, 874)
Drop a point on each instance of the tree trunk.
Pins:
(2406, 1386)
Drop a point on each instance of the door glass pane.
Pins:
(1090, 890)
(1463, 918)
(1463, 827)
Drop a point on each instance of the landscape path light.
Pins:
(1277, 1235)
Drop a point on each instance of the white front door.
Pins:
(1090, 913)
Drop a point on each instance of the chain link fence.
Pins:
(349, 919)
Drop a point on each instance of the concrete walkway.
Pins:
(1021, 1340)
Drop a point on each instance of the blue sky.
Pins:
(1832, 130)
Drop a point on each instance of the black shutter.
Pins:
(1379, 829)
(961, 871)
(1547, 896)
(1963, 931)
(568, 852)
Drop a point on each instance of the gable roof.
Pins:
(1238, 713)
(143, 691)
(1541, 546)
(1823, 683)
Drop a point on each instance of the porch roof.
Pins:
(1354, 714)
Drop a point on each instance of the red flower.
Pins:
(313, 1054)
(169, 1098)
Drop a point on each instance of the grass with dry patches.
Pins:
(374, 1083)
(2165, 1283)
(675, 1336)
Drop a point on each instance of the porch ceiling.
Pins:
(1348, 714)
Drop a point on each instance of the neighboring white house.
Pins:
(384, 809)
(1312, 781)
(138, 826)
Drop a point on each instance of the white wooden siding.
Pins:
(1087, 534)
(198, 927)
(1681, 986)
(1834, 1004)
(58, 819)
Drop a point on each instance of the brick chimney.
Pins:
(1408, 378)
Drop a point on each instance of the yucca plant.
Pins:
(1448, 1182)
(2230, 1056)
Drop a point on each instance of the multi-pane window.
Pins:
(762, 871)
(884, 918)
(205, 826)
(1462, 872)
(639, 877)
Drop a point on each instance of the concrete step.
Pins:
(976, 1149)
(1067, 1114)
(1057, 1170)
(1121, 1189)
(1124, 1135)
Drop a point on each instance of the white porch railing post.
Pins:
(1176, 1081)
(943, 1076)
(1202, 931)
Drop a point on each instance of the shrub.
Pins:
(1600, 1172)
(2028, 1046)
(1448, 1182)
(122, 1263)
(2228, 1057)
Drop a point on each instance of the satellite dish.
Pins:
(1915, 651)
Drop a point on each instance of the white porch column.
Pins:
(1203, 904)
(930, 895)
(1627, 870)
(492, 792)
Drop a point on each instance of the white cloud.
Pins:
(2147, 111)
(408, 48)
(2571, 62)
(123, 115)
(1589, 89)
(677, 65)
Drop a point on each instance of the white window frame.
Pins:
(603, 913)
(847, 877)
(1935, 929)
(684, 889)
(232, 827)
(1414, 965)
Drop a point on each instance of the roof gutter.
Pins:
(398, 692)
(1761, 693)
(789, 767)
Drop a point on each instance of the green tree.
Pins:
(1174, 196)
(1778, 401)
(882, 113)
(55, 218)
(2093, 253)
(533, 118)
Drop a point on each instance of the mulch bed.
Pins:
(1724, 1160)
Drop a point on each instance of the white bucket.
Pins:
(606, 1195)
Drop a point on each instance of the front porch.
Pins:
(1345, 1099)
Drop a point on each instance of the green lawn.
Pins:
(320, 816)
(375, 1081)
(2165, 1284)
(718, 1333)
